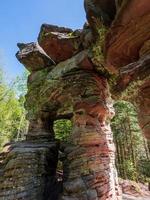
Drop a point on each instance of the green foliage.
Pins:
(144, 169)
(62, 129)
(131, 170)
(13, 124)
(20, 84)
(130, 146)
(97, 49)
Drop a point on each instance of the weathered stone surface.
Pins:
(129, 197)
(127, 50)
(134, 190)
(131, 74)
(55, 86)
(33, 57)
(46, 28)
(143, 105)
(134, 85)
(86, 36)
(90, 162)
(59, 43)
(42, 128)
(99, 11)
(29, 171)
(129, 32)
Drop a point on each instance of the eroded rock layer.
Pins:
(89, 168)
(128, 34)
(29, 171)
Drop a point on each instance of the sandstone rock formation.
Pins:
(28, 170)
(133, 190)
(127, 54)
(71, 78)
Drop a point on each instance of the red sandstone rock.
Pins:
(127, 53)
(83, 61)
(136, 190)
(131, 73)
(59, 43)
(72, 89)
(33, 57)
(143, 105)
(128, 34)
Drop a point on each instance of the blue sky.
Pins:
(20, 21)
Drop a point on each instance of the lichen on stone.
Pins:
(131, 92)
(97, 48)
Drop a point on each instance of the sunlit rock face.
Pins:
(59, 43)
(33, 57)
(127, 55)
(72, 89)
(89, 168)
(128, 34)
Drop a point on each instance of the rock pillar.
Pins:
(89, 170)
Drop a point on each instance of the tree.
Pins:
(13, 124)
(62, 129)
(20, 84)
(131, 148)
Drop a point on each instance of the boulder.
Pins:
(59, 43)
(33, 57)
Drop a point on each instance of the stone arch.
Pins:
(90, 152)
